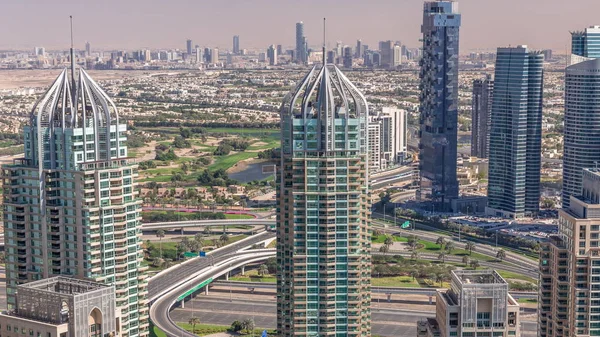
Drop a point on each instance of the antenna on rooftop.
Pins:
(72, 55)
(324, 56)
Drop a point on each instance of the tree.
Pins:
(193, 321)
(440, 241)
(385, 198)
(548, 203)
(160, 234)
(236, 326)
(465, 260)
(470, 246)
(442, 256)
(475, 264)
(501, 255)
(450, 247)
(248, 325)
(414, 254)
(388, 241)
(412, 241)
(384, 248)
(224, 238)
(439, 277)
(414, 273)
(263, 270)
(207, 230)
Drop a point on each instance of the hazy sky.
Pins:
(135, 24)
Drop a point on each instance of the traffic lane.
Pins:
(386, 322)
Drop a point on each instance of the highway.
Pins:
(379, 290)
(174, 276)
(160, 309)
(385, 322)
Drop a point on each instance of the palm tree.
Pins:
(414, 273)
(160, 234)
(206, 230)
(450, 247)
(470, 246)
(193, 321)
(439, 277)
(465, 260)
(384, 248)
(475, 264)
(501, 255)
(248, 325)
(412, 241)
(441, 241)
(388, 241)
(414, 255)
(263, 270)
(224, 238)
(442, 256)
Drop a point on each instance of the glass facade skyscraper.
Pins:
(323, 239)
(71, 205)
(582, 125)
(301, 56)
(586, 43)
(516, 133)
(439, 101)
(483, 90)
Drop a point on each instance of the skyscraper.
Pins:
(272, 55)
(393, 135)
(586, 43)
(214, 56)
(71, 205)
(483, 91)
(439, 101)
(189, 47)
(387, 53)
(88, 49)
(236, 44)
(582, 124)
(300, 43)
(396, 56)
(516, 134)
(348, 57)
(569, 285)
(358, 52)
(323, 246)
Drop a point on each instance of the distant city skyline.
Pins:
(155, 24)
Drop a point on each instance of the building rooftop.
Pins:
(64, 285)
(465, 277)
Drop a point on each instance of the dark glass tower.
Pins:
(439, 101)
(323, 240)
(586, 43)
(582, 125)
(516, 133)
(481, 109)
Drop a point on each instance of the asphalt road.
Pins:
(386, 322)
(177, 274)
(159, 311)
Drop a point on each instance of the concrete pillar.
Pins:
(227, 276)
(183, 303)
(243, 270)
(206, 290)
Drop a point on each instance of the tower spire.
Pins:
(72, 55)
(324, 56)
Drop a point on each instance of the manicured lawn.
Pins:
(156, 332)
(209, 329)
(252, 276)
(381, 238)
(515, 276)
(406, 281)
(527, 300)
(238, 216)
(225, 162)
(247, 132)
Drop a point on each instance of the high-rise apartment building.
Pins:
(236, 44)
(439, 101)
(198, 55)
(477, 304)
(569, 265)
(272, 55)
(323, 245)
(348, 57)
(483, 91)
(582, 124)
(88, 49)
(301, 56)
(214, 56)
(516, 134)
(374, 144)
(586, 43)
(386, 48)
(71, 204)
(359, 47)
(189, 47)
(393, 135)
(396, 56)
